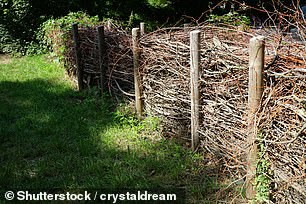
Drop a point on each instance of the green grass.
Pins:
(52, 136)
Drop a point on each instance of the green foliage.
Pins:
(125, 116)
(134, 19)
(64, 23)
(53, 33)
(159, 3)
(11, 13)
(263, 175)
(151, 123)
(232, 18)
(20, 19)
(18, 22)
(14, 10)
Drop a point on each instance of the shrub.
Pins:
(11, 17)
(18, 23)
(54, 33)
(159, 3)
(232, 18)
(20, 20)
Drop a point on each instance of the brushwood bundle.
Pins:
(224, 100)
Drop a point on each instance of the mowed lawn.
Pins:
(52, 136)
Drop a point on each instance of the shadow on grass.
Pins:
(54, 137)
(45, 134)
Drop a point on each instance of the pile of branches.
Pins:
(224, 83)
(165, 75)
(117, 59)
(165, 79)
(223, 110)
(282, 122)
(223, 88)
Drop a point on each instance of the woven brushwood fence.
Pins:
(282, 121)
(224, 99)
(164, 67)
(114, 61)
(223, 88)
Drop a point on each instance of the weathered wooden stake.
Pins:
(142, 28)
(109, 24)
(101, 46)
(137, 83)
(194, 85)
(186, 26)
(78, 56)
(256, 65)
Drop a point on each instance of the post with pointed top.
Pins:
(137, 83)
(256, 65)
(102, 58)
(78, 56)
(194, 85)
(142, 28)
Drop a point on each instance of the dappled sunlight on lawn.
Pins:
(55, 137)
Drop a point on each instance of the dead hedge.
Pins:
(165, 76)
(118, 58)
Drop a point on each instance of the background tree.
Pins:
(20, 19)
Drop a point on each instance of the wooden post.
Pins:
(109, 24)
(194, 85)
(256, 65)
(142, 29)
(137, 83)
(186, 26)
(78, 56)
(101, 46)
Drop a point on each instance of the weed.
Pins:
(263, 174)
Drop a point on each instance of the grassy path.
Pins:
(54, 137)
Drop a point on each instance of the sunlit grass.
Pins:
(52, 136)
